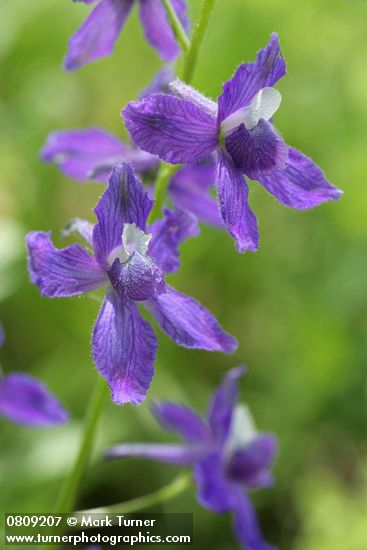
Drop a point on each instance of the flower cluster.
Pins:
(219, 144)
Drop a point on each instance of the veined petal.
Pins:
(257, 152)
(26, 400)
(124, 201)
(187, 92)
(157, 28)
(61, 272)
(177, 131)
(213, 490)
(167, 235)
(124, 348)
(188, 323)
(238, 217)
(250, 464)
(190, 189)
(301, 184)
(79, 152)
(246, 525)
(182, 455)
(182, 420)
(223, 403)
(250, 78)
(97, 36)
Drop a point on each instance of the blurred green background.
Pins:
(298, 306)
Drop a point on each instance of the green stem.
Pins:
(176, 26)
(164, 494)
(165, 173)
(197, 39)
(66, 499)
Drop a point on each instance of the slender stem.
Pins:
(165, 173)
(197, 39)
(168, 492)
(66, 499)
(176, 26)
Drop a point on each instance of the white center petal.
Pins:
(263, 105)
(133, 240)
(242, 430)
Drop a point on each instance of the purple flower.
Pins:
(25, 400)
(97, 36)
(132, 263)
(226, 453)
(92, 153)
(239, 129)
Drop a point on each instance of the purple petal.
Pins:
(61, 272)
(187, 92)
(86, 1)
(251, 464)
(301, 185)
(250, 78)
(183, 455)
(246, 525)
(257, 152)
(26, 400)
(138, 279)
(238, 217)
(175, 130)
(157, 28)
(97, 36)
(223, 403)
(182, 420)
(124, 201)
(167, 234)
(188, 323)
(190, 190)
(79, 152)
(213, 490)
(160, 82)
(124, 348)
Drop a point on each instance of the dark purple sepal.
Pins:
(250, 78)
(61, 272)
(124, 201)
(237, 215)
(124, 349)
(301, 184)
(214, 491)
(246, 525)
(177, 131)
(189, 323)
(257, 152)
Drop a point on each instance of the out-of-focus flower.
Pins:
(228, 456)
(91, 154)
(26, 400)
(97, 36)
(189, 127)
(131, 260)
